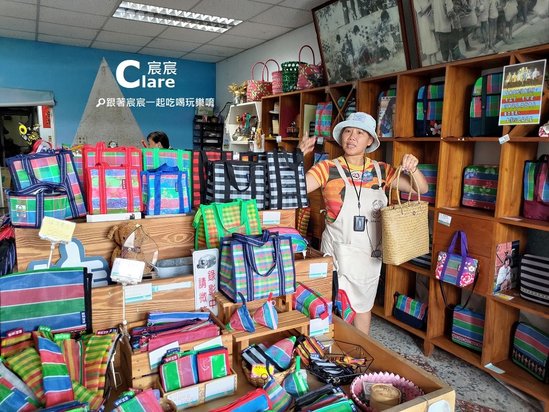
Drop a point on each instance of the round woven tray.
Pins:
(260, 382)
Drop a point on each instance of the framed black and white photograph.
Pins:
(460, 29)
(360, 38)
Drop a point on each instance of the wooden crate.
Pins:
(305, 272)
(143, 376)
(170, 294)
(203, 392)
(226, 307)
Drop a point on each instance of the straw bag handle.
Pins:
(266, 68)
(275, 62)
(312, 52)
(262, 71)
(412, 181)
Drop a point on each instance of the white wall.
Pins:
(285, 48)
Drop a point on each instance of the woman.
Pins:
(158, 139)
(353, 188)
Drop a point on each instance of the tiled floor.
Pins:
(470, 383)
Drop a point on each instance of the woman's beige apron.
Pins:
(358, 272)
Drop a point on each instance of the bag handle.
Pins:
(312, 52)
(164, 168)
(262, 71)
(40, 188)
(250, 256)
(275, 62)
(232, 179)
(463, 251)
(253, 240)
(444, 293)
(412, 182)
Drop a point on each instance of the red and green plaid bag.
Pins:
(97, 353)
(199, 172)
(213, 363)
(215, 221)
(117, 156)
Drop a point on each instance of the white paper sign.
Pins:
(56, 230)
(318, 270)
(156, 355)
(319, 326)
(138, 293)
(271, 218)
(205, 267)
(444, 219)
(127, 271)
(219, 387)
(209, 344)
(186, 397)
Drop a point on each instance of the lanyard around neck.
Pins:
(359, 191)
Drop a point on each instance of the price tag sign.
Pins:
(56, 230)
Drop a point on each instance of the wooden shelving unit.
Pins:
(452, 152)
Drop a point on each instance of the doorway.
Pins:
(11, 141)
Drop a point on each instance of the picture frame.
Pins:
(481, 30)
(361, 38)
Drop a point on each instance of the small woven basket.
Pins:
(290, 73)
(259, 382)
(276, 77)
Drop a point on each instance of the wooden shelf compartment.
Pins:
(522, 304)
(417, 269)
(322, 285)
(524, 222)
(408, 85)
(417, 332)
(510, 183)
(290, 111)
(445, 343)
(460, 79)
(479, 234)
(454, 156)
(369, 90)
(520, 379)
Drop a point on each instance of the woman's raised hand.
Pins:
(307, 144)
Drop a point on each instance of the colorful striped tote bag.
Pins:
(83, 394)
(484, 106)
(97, 353)
(410, 311)
(27, 366)
(59, 298)
(280, 399)
(429, 109)
(178, 371)
(144, 401)
(16, 382)
(256, 266)
(55, 167)
(165, 191)
(467, 328)
(12, 399)
(535, 203)
(530, 350)
(480, 185)
(55, 375)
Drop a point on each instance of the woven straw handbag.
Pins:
(404, 227)
(276, 77)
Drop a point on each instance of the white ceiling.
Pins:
(88, 23)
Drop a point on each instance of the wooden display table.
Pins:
(384, 360)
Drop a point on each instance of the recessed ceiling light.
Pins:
(174, 17)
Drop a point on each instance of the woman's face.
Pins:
(355, 141)
(151, 143)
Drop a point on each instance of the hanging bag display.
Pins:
(429, 109)
(201, 158)
(218, 220)
(535, 203)
(50, 167)
(286, 180)
(530, 350)
(59, 298)
(309, 75)
(457, 269)
(467, 328)
(232, 179)
(480, 185)
(484, 106)
(404, 227)
(257, 89)
(534, 279)
(256, 266)
(276, 77)
(165, 191)
(29, 206)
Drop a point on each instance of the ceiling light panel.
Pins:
(174, 17)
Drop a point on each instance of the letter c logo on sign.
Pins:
(120, 71)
